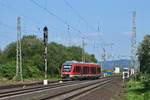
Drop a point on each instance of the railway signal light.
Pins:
(45, 30)
(45, 33)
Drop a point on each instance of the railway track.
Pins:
(56, 91)
(75, 93)
(8, 93)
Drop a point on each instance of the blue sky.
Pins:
(114, 18)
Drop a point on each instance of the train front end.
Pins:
(66, 71)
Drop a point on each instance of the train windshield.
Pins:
(67, 68)
(125, 70)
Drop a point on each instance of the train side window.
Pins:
(78, 69)
(85, 70)
(74, 70)
(93, 70)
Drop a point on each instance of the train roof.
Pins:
(77, 62)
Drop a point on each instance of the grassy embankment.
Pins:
(138, 89)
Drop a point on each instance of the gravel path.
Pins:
(112, 91)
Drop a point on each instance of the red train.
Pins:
(71, 70)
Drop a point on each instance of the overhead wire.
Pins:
(4, 25)
(36, 22)
(52, 14)
(82, 18)
(7, 26)
(33, 20)
(49, 12)
(26, 17)
(39, 28)
(57, 17)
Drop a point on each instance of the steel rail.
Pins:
(32, 89)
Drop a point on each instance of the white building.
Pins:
(131, 71)
(117, 70)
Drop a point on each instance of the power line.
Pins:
(57, 17)
(7, 37)
(82, 18)
(11, 7)
(49, 12)
(7, 26)
(39, 28)
(27, 17)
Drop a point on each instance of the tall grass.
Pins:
(138, 89)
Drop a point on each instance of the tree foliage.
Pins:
(8, 70)
(144, 55)
(33, 58)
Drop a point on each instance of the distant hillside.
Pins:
(117, 63)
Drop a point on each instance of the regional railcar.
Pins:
(71, 70)
(125, 73)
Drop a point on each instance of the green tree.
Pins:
(90, 58)
(33, 58)
(9, 53)
(144, 55)
(1, 57)
(8, 70)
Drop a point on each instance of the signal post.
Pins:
(45, 40)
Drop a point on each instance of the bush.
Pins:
(8, 70)
(30, 71)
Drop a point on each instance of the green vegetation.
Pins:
(32, 58)
(144, 55)
(138, 88)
